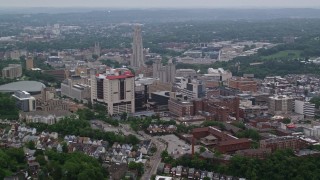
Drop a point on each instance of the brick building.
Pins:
(243, 84)
(180, 108)
(222, 107)
(254, 153)
(284, 142)
(222, 141)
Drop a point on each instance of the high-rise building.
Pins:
(12, 71)
(166, 73)
(115, 89)
(29, 63)
(137, 59)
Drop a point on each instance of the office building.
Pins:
(180, 108)
(137, 59)
(280, 104)
(29, 63)
(115, 89)
(24, 101)
(76, 87)
(190, 88)
(305, 108)
(12, 71)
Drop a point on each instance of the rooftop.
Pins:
(28, 86)
(112, 74)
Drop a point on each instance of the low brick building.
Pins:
(243, 84)
(284, 142)
(222, 141)
(255, 153)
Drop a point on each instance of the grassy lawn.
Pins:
(288, 54)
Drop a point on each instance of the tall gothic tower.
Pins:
(97, 49)
(137, 59)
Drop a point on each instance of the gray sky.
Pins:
(162, 3)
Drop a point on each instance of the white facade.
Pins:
(115, 89)
(304, 108)
(219, 74)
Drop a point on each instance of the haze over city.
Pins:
(163, 3)
(159, 89)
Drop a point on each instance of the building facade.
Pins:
(137, 59)
(305, 108)
(24, 101)
(76, 87)
(243, 84)
(281, 104)
(29, 63)
(12, 71)
(284, 142)
(180, 108)
(165, 74)
(115, 89)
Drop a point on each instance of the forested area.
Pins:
(11, 160)
(55, 166)
(280, 165)
(8, 109)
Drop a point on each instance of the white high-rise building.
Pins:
(137, 59)
(115, 89)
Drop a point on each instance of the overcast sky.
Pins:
(162, 3)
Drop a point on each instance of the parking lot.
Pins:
(177, 147)
(97, 124)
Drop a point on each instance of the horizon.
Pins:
(175, 4)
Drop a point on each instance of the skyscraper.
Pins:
(137, 59)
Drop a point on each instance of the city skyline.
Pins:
(164, 3)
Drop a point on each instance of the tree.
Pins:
(124, 116)
(64, 147)
(41, 160)
(31, 145)
(202, 149)
(286, 121)
(136, 166)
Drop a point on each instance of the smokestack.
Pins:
(192, 145)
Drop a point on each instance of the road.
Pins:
(155, 159)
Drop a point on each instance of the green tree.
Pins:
(31, 145)
(202, 149)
